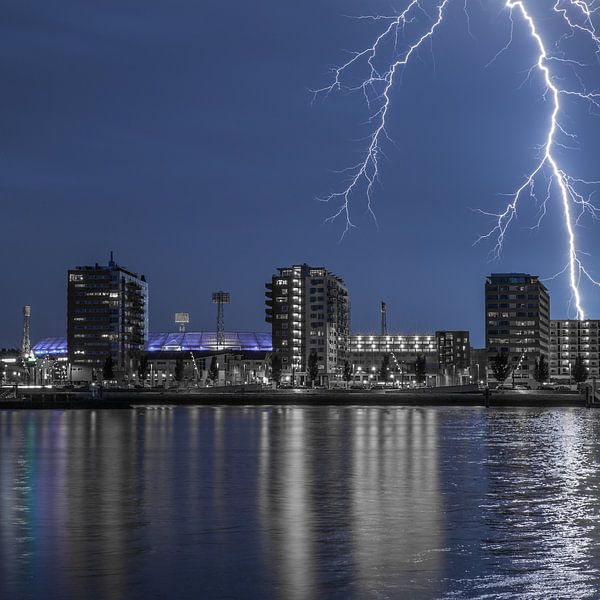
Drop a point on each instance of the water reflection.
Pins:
(396, 501)
(541, 506)
(299, 503)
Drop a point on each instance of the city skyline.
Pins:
(209, 314)
(299, 299)
(100, 155)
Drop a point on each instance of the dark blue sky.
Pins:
(181, 135)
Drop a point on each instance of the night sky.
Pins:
(180, 134)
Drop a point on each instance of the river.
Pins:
(299, 503)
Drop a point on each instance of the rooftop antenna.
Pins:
(220, 299)
(383, 318)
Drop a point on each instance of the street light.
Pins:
(515, 368)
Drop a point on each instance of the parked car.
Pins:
(522, 386)
(504, 386)
(516, 386)
(547, 385)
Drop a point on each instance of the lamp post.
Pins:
(402, 374)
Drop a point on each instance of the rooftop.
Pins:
(177, 341)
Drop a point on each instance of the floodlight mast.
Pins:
(182, 319)
(220, 299)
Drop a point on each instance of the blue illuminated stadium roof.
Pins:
(176, 341)
(53, 345)
(207, 340)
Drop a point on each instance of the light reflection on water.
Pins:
(299, 503)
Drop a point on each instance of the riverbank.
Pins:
(126, 399)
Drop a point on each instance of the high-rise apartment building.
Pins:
(107, 315)
(309, 311)
(569, 339)
(517, 321)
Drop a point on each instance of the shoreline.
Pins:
(128, 399)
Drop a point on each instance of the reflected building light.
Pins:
(395, 491)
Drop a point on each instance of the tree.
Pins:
(107, 369)
(500, 367)
(579, 371)
(276, 368)
(213, 371)
(313, 367)
(179, 367)
(384, 370)
(420, 369)
(540, 369)
(142, 367)
(347, 374)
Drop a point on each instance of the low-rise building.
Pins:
(446, 354)
(454, 357)
(233, 367)
(11, 367)
(368, 351)
(244, 359)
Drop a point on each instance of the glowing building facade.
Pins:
(570, 339)
(309, 311)
(368, 351)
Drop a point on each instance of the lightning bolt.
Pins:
(376, 87)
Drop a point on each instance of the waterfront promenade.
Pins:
(127, 398)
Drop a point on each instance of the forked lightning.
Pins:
(574, 195)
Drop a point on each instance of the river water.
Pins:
(299, 503)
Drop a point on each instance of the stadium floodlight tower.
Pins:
(27, 356)
(182, 319)
(220, 299)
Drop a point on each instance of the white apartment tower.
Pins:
(309, 312)
(569, 339)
